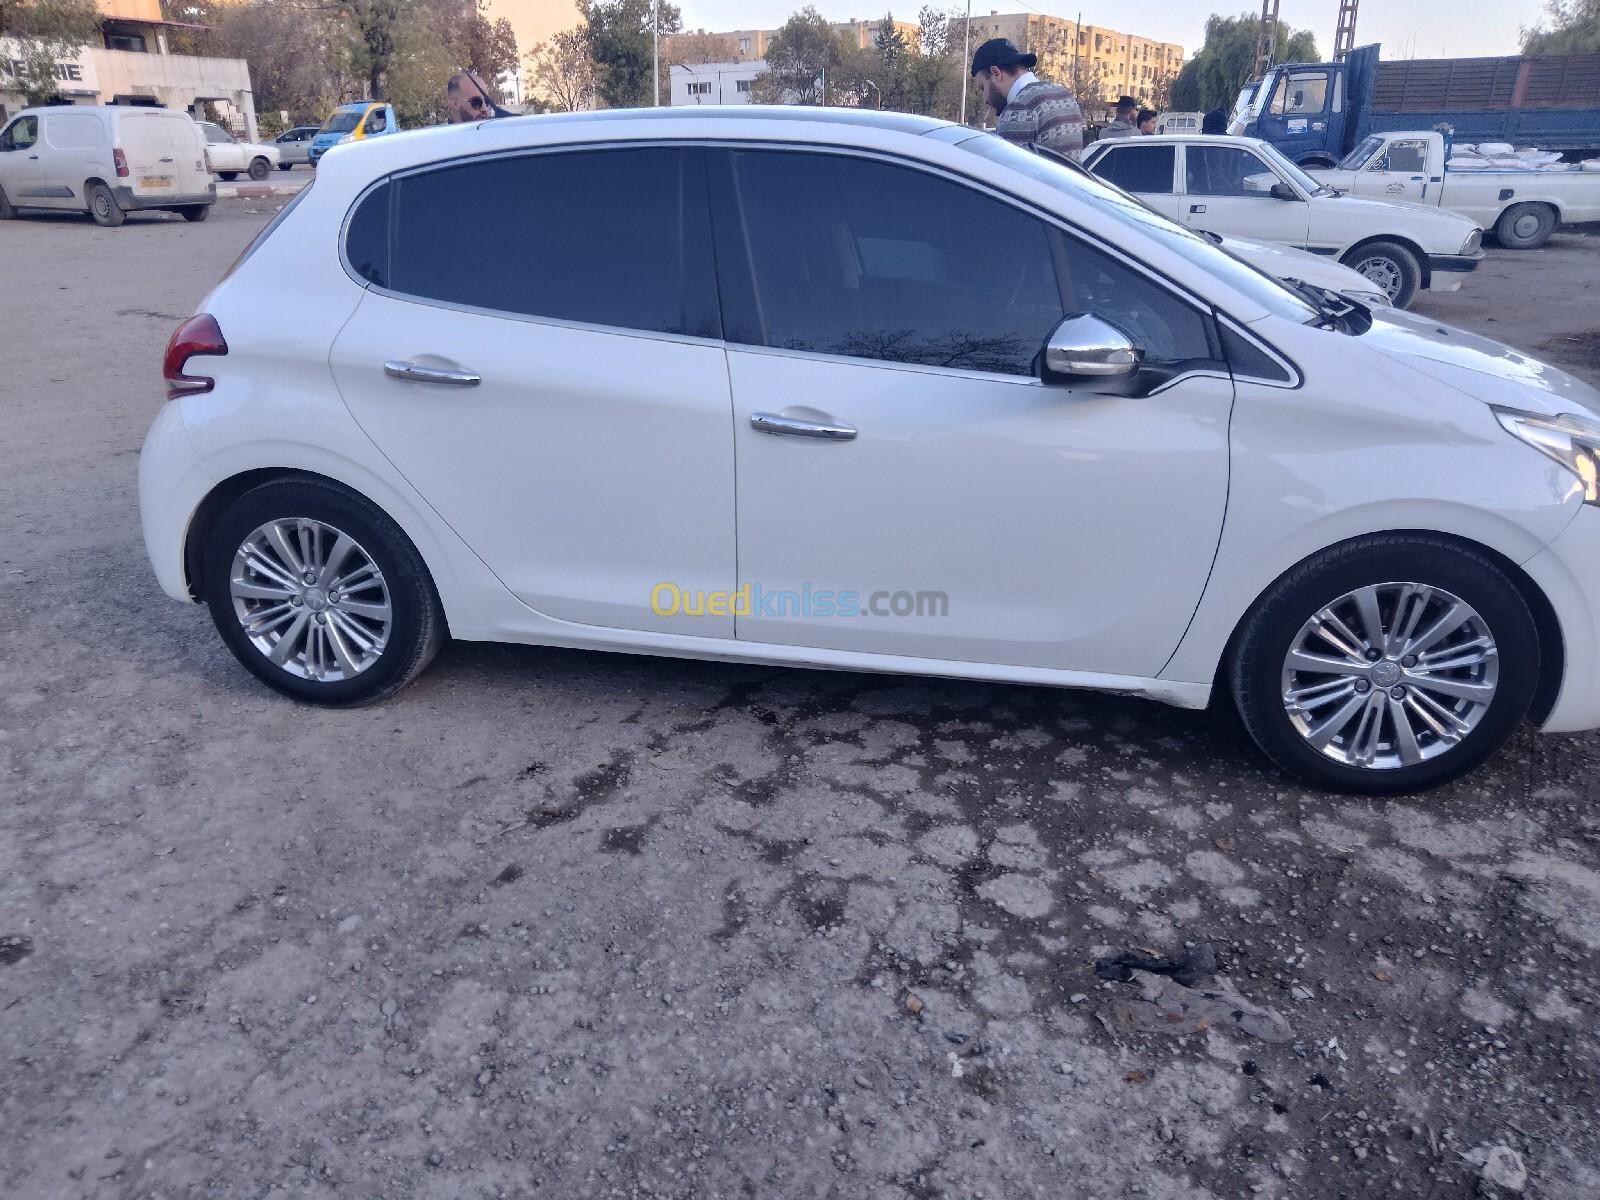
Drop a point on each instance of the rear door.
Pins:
(1148, 169)
(156, 163)
(540, 355)
(1228, 190)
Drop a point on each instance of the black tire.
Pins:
(1257, 661)
(260, 168)
(228, 175)
(416, 628)
(1318, 163)
(1525, 226)
(195, 212)
(285, 166)
(7, 213)
(1391, 266)
(103, 206)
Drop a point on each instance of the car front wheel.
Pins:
(320, 594)
(1386, 665)
(1389, 265)
(260, 168)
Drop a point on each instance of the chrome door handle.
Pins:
(789, 427)
(396, 369)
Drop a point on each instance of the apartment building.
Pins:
(753, 43)
(1118, 63)
(133, 63)
(715, 83)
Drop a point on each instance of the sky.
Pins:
(1406, 28)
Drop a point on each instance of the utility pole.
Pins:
(1344, 38)
(1266, 37)
(966, 60)
(655, 70)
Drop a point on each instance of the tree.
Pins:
(799, 58)
(622, 45)
(485, 45)
(698, 47)
(1161, 91)
(1213, 77)
(1575, 29)
(44, 32)
(300, 58)
(563, 73)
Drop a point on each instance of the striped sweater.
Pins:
(1045, 114)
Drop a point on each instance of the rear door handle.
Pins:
(411, 373)
(789, 427)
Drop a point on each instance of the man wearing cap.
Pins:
(1126, 124)
(1028, 110)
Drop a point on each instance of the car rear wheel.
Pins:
(320, 594)
(260, 168)
(229, 175)
(1391, 266)
(195, 212)
(1525, 226)
(1386, 665)
(103, 206)
(285, 166)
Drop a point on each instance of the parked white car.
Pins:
(106, 160)
(866, 391)
(1522, 206)
(229, 157)
(1242, 187)
(1291, 266)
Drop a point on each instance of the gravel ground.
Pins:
(556, 924)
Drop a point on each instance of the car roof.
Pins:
(867, 117)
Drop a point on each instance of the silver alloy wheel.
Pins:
(1390, 675)
(1384, 272)
(311, 599)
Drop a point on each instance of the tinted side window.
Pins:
(1146, 169)
(1172, 333)
(1226, 171)
(605, 237)
(24, 132)
(872, 260)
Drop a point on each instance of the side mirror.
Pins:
(1085, 347)
(1282, 191)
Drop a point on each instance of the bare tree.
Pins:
(563, 72)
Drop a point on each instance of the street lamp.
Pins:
(966, 61)
(877, 89)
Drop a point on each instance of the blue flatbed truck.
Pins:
(1315, 113)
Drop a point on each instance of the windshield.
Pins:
(343, 121)
(1241, 108)
(1358, 157)
(1288, 169)
(1071, 178)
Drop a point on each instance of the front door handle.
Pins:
(789, 427)
(1197, 208)
(396, 369)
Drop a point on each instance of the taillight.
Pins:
(121, 159)
(198, 335)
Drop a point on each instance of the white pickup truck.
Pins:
(1522, 206)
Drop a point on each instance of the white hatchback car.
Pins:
(867, 391)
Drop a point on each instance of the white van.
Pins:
(1180, 122)
(106, 160)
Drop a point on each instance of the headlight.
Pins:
(343, 140)
(1572, 441)
(1474, 242)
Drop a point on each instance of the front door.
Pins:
(20, 170)
(539, 355)
(907, 485)
(1398, 172)
(1228, 190)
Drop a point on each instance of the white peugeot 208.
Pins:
(866, 391)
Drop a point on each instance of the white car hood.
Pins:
(1484, 369)
(1381, 209)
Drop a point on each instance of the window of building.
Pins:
(742, 85)
(125, 41)
(744, 45)
(616, 237)
(1143, 170)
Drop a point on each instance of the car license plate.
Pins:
(155, 181)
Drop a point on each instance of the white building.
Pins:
(134, 65)
(715, 83)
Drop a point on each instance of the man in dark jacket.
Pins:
(1029, 110)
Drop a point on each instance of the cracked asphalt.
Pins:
(563, 924)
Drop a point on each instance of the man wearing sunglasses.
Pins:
(468, 100)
